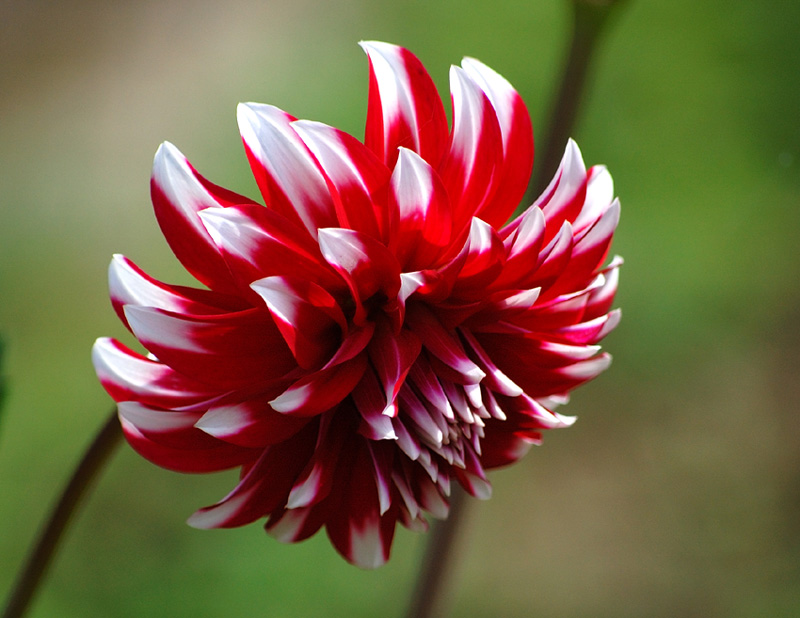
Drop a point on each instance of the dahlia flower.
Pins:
(376, 330)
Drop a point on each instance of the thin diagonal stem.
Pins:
(42, 552)
(590, 18)
(435, 574)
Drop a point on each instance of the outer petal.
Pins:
(287, 174)
(170, 440)
(264, 488)
(129, 285)
(128, 376)
(404, 106)
(228, 351)
(357, 529)
(517, 134)
(476, 150)
(179, 193)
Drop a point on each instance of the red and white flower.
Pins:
(378, 330)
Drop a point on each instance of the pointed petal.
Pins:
(443, 345)
(564, 197)
(129, 285)
(322, 390)
(174, 443)
(404, 106)
(484, 262)
(357, 177)
(128, 376)
(257, 242)
(263, 489)
(356, 529)
(251, 423)
(230, 350)
(476, 149)
(286, 172)
(421, 206)
(179, 193)
(517, 134)
(392, 356)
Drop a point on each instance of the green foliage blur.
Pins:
(677, 493)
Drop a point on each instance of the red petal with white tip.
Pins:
(228, 351)
(129, 376)
(257, 242)
(421, 206)
(306, 315)
(286, 172)
(357, 177)
(404, 107)
(476, 150)
(517, 135)
(252, 423)
(179, 193)
(175, 443)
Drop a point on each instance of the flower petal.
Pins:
(365, 264)
(179, 193)
(286, 172)
(404, 106)
(357, 177)
(170, 440)
(306, 315)
(517, 134)
(257, 242)
(228, 351)
(252, 423)
(128, 376)
(421, 206)
(476, 150)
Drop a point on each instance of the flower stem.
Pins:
(428, 598)
(590, 18)
(44, 549)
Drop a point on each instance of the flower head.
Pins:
(376, 330)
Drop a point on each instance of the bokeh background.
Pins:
(678, 491)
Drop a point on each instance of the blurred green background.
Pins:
(678, 491)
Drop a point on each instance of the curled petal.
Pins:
(306, 315)
(357, 178)
(476, 149)
(286, 172)
(170, 440)
(179, 193)
(517, 135)
(404, 107)
(420, 203)
(322, 390)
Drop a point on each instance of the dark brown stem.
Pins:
(589, 20)
(42, 553)
(435, 574)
